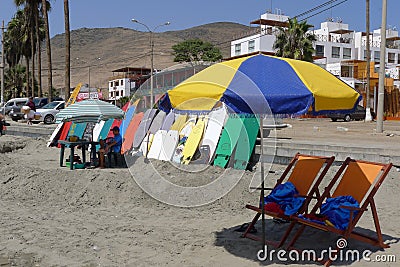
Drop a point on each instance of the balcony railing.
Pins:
(333, 39)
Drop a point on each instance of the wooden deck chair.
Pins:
(361, 180)
(306, 173)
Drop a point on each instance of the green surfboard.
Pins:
(228, 140)
(247, 140)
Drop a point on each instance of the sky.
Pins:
(184, 14)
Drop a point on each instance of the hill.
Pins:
(106, 49)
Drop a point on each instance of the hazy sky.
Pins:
(185, 14)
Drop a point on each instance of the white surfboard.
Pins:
(97, 130)
(169, 145)
(156, 145)
(146, 144)
(216, 121)
(54, 134)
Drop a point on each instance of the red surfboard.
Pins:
(64, 132)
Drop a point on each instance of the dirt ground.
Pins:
(51, 216)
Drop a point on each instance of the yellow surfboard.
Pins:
(193, 141)
(179, 122)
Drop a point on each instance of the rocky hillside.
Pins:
(106, 49)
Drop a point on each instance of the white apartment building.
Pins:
(126, 81)
(335, 43)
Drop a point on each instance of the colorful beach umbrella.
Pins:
(90, 110)
(251, 84)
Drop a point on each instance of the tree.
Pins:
(295, 41)
(45, 9)
(67, 50)
(17, 43)
(195, 51)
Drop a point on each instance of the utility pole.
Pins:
(381, 88)
(368, 116)
(3, 64)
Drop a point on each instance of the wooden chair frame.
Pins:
(368, 200)
(309, 193)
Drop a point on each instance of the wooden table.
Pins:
(83, 144)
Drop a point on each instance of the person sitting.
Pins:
(113, 147)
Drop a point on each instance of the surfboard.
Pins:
(193, 141)
(127, 120)
(156, 145)
(247, 140)
(168, 121)
(130, 132)
(97, 129)
(146, 144)
(228, 140)
(104, 131)
(77, 129)
(118, 122)
(157, 122)
(216, 121)
(169, 145)
(64, 131)
(179, 122)
(55, 135)
(143, 127)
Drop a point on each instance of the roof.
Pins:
(270, 22)
(394, 38)
(129, 69)
(341, 31)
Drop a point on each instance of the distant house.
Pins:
(125, 81)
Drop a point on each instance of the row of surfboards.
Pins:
(216, 138)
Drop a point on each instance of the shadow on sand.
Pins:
(311, 239)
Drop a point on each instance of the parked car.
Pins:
(358, 114)
(14, 103)
(49, 111)
(40, 101)
(16, 113)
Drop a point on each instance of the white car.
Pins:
(48, 112)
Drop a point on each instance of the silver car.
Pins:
(48, 112)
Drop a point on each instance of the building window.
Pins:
(111, 84)
(251, 46)
(319, 51)
(116, 93)
(377, 56)
(238, 49)
(116, 83)
(398, 58)
(335, 52)
(391, 57)
(346, 53)
(122, 82)
(122, 93)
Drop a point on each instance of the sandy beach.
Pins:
(51, 216)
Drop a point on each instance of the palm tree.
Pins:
(295, 41)
(67, 50)
(45, 8)
(18, 43)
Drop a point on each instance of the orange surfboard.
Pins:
(130, 132)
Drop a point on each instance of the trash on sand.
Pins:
(342, 129)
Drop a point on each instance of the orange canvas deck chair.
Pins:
(306, 173)
(361, 180)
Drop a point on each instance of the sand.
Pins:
(51, 216)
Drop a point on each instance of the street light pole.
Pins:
(381, 88)
(89, 64)
(151, 55)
